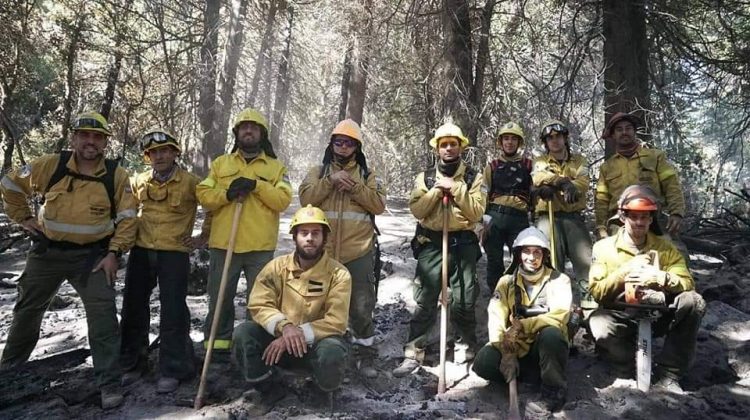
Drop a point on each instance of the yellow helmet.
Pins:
(157, 137)
(449, 130)
(251, 115)
(91, 121)
(309, 214)
(512, 128)
(550, 126)
(349, 128)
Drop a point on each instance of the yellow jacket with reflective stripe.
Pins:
(504, 200)
(348, 212)
(166, 212)
(548, 171)
(259, 222)
(75, 210)
(646, 166)
(552, 291)
(466, 207)
(611, 252)
(316, 300)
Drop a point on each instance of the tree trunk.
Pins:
(70, 60)
(457, 62)
(345, 78)
(282, 90)
(112, 78)
(625, 60)
(229, 74)
(483, 57)
(207, 87)
(265, 45)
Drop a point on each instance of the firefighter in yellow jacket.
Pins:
(628, 256)
(633, 164)
(561, 177)
(508, 182)
(351, 194)
(527, 323)
(167, 207)
(87, 220)
(299, 307)
(467, 199)
(251, 174)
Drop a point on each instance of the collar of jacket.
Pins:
(347, 166)
(546, 276)
(549, 158)
(238, 156)
(514, 158)
(639, 151)
(293, 266)
(73, 166)
(621, 245)
(175, 177)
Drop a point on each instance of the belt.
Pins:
(65, 245)
(497, 208)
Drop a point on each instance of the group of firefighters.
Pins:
(315, 306)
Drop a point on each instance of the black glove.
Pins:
(546, 192)
(240, 186)
(570, 193)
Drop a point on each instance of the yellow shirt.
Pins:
(548, 171)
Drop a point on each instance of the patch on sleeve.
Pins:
(496, 295)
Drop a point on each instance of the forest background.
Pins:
(400, 67)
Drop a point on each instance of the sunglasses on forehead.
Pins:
(82, 123)
(344, 142)
(546, 131)
(155, 138)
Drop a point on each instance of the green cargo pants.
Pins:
(546, 359)
(363, 299)
(616, 333)
(327, 357)
(506, 224)
(572, 240)
(37, 286)
(251, 263)
(463, 289)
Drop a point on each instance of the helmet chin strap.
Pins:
(343, 159)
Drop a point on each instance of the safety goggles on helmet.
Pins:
(156, 138)
(639, 203)
(559, 128)
(341, 142)
(86, 123)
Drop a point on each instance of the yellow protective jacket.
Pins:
(646, 166)
(611, 252)
(166, 212)
(552, 291)
(75, 210)
(259, 222)
(316, 300)
(504, 200)
(348, 213)
(548, 171)
(466, 207)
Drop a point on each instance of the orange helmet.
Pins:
(638, 198)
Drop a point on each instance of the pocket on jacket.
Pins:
(615, 181)
(98, 206)
(226, 176)
(52, 202)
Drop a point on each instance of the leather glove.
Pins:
(240, 186)
(570, 193)
(509, 366)
(546, 192)
(635, 264)
(650, 276)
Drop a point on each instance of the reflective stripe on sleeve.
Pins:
(79, 229)
(348, 215)
(10, 185)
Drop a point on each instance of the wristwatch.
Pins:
(117, 252)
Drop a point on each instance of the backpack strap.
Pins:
(430, 175)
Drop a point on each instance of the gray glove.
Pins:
(570, 193)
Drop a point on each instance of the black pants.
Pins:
(170, 268)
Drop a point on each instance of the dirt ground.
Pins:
(58, 381)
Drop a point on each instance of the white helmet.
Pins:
(531, 236)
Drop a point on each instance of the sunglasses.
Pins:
(546, 131)
(155, 138)
(345, 142)
(83, 123)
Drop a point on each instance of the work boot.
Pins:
(463, 352)
(167, 385)
(668, 381)
(550, 400)
(406, 367)
(365, 357)
(111, 397)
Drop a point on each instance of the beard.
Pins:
(343, 160)
(309, 254)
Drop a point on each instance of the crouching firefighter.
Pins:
(466, 201)
(527, 323)
(86, 222)
(299, 307)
